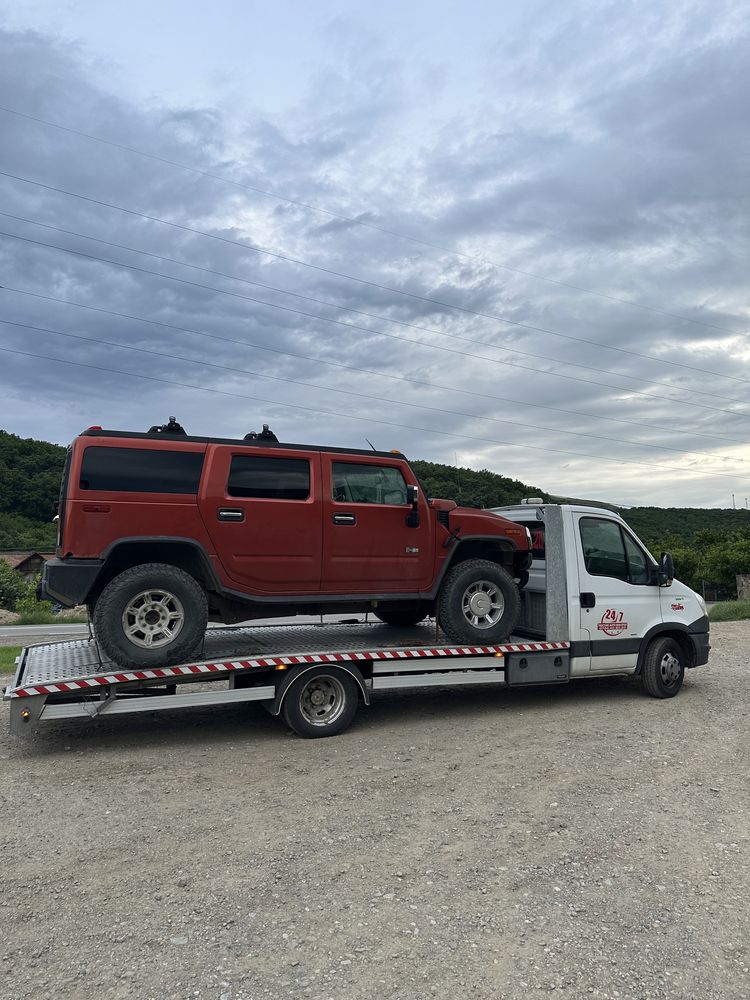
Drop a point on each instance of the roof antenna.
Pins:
(371, 444)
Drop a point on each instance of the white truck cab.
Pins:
(592, 582)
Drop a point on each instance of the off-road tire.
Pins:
(403, 616)
(119, 593)
(340, 697)
(453, 619)
(661, 676)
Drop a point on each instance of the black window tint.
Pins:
(603, 549)
(360, 483)
(638, 564)
(269, 478)
(141, 470)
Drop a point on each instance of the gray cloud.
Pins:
(594, 157)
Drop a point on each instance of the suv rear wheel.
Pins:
(478, 602)
(151, 615)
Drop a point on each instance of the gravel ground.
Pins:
(586, 841)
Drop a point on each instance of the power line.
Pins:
(363, 371)
(363, 223)
(360, 395)
(386, 319)
(368, 330)
(349, 416)
(364, 281)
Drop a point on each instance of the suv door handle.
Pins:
(344, 519)
(230, 514)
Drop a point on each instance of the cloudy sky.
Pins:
(513, 236)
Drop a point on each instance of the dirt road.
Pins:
(584, 842)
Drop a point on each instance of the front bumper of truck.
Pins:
(68, 581)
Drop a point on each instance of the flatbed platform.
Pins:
(258, 663)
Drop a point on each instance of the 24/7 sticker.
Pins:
(612, 622)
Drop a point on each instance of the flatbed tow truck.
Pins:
(314, 675)
(595, 604)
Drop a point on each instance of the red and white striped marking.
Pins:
(421, 652)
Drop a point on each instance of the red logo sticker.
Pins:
(612, 622)
(678, 607)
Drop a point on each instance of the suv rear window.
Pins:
(141, 470)
(258, 477)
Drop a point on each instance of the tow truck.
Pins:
(596, 603)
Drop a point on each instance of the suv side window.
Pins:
(610, 551)
(140, 470)
(360, 483)
(260, 477)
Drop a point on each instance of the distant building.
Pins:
(28, 564)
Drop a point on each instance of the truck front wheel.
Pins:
(663, 668)
(151, 615)
(478, 602)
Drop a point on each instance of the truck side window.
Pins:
(256, 476)
(603, 548)
(640, 570)
(360, 483)
(610, 551)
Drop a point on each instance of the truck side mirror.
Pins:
(666, 570)
(412, 496)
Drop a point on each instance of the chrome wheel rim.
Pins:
(670, 669)
(483, 604)
(322, 700)
(153, 619)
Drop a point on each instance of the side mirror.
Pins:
(412, 496)
(666, 570)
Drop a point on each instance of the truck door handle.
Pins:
(344, 519)
(588, 600)
(230, 514)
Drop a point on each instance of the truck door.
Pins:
(619, 593)
(368, 548)
(263, 514)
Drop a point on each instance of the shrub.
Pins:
(12, 587)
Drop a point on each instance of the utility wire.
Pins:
(375, 420)
(412, 326)
(364, 371)
(361, 395)
(364, 281)
(368, 330)
(353, 220)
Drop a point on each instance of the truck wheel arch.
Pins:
(290, 676)
(672, 630)
(499, 550)
(184, 553)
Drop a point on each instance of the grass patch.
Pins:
(730, 611)
(47, 618)
(8, 656)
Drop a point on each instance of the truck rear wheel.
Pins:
(320, 702)
(663, 668)
(151, 615)
(403, 615)
(478, 602)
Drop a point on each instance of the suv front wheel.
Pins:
(151, 615)
(478, 602)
